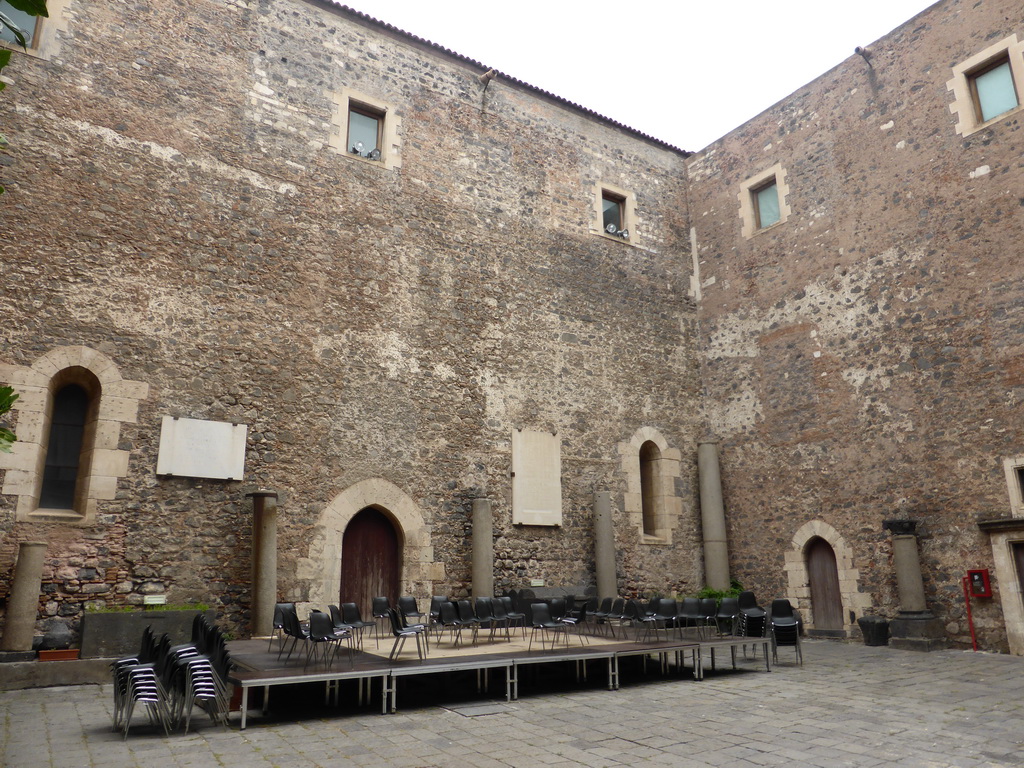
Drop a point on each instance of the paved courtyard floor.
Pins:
(849, 705)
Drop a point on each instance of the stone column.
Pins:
(483, 548)
(712, 511)
(915, 628)
(604, 546)
(23, 601)
(264, 561)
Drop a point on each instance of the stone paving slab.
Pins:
(849, 705)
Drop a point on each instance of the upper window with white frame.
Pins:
(987, 86)
(615, 212)
(365, 127)
(26, 22)
(1014, 469)
(763, 200)
(41, 33)
(766, 204)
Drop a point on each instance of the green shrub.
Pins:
(733, 591)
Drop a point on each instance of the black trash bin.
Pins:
(875, 630)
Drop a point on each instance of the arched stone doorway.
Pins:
(318, 574)
(852, 602)
(371, 559)
(823, 576)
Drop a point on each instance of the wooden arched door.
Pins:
(826, 601)
(370, 560)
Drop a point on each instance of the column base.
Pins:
(917, 632)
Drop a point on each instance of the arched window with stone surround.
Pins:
(69, 442)
(650, 498)
(51, 478)
(651, 501)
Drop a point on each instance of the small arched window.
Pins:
(68, 458)
(64, 448)
(70, 438)
(650, 455)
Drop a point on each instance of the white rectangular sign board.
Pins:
(198, 448)
(536, 478)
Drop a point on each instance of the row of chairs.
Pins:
(325, 633)
(665, 613)
(169, 681)
(490, 613)
(321, 636)
(737, 616)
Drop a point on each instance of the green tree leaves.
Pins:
(7, 437)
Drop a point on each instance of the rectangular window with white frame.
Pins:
(764, 201)
(1013, 468)
(615, 213)
(366, 128)
(987, 87)
(43, 34)
(25, 22)
(766, 204)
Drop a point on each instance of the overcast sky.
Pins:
(686, 72)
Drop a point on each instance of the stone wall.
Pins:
(863, 359)
(175, 203)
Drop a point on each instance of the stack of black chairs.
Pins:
(752, 617)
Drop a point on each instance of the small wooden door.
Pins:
(370, 560)
(826, 602)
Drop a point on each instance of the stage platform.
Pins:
(256, 667)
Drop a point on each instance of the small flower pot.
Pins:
(60, 654)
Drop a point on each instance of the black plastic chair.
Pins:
(603, 613)
(542, 621)
(557, 608)
(353, 619)
(753, 619)
(709, 611)
(665, 616)
(633, 614)
(336, 617)
(576, 620)
(514, 616)
(434, 614)
(690, 614)
(293, 629)
(278, 630)
(784, 626)
(379, 608)
(409, 611)
(449, 619)
(500, 616)
(468, 617)
(752, 616)
(323, 638)
(728, 614)
(616, 614)
(403, 633)
(485, 615)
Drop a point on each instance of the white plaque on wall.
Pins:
(536, 478)
(197, 448)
